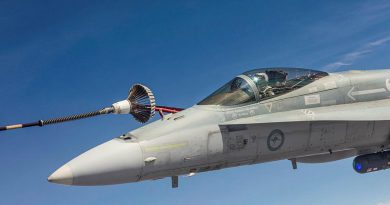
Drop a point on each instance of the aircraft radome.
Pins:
(301, 115)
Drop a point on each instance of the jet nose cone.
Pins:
(116, 161)
(63, 175)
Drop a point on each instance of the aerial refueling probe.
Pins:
(140, 103)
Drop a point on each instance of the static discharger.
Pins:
(140, 103)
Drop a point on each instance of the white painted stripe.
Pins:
(365, 92)
(312, 99)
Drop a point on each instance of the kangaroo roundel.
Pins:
(275, 140)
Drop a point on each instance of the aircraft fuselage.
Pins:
(313, 124)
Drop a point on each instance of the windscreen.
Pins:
(262, 84)
(235, 92)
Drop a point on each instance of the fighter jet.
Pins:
(263, 115)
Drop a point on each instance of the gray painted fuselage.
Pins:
(338, 116)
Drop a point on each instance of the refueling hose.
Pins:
(42, 123)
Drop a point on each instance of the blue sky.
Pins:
(64, 57)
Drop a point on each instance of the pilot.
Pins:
(262, 82)
(277, 77)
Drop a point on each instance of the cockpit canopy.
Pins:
(261, 84)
